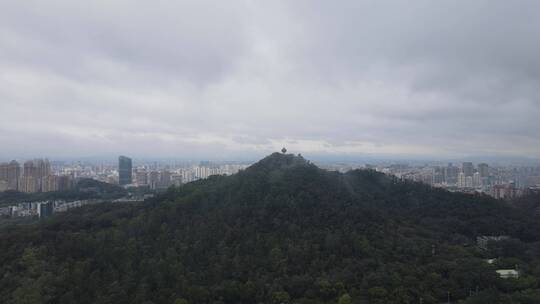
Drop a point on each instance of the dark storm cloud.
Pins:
(196, 77)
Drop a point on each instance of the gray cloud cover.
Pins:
(202, 78)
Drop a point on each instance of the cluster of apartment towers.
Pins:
(34, 176)
(464, 177)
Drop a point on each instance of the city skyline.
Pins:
(41, 175)
(240, 79)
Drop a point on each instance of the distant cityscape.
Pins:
(34, 176)
(42, 175)
(498, 181)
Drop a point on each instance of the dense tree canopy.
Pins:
(281, 231)
(84, 188)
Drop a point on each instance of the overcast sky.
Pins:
(229, 78)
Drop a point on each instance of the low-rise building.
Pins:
(508, 273)
(483, 241)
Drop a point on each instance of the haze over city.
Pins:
(237, 79)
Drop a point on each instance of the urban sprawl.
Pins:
(41, 175)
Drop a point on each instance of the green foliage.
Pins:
(281, 231)
(280, 297)
(85, 188)
(345, 299)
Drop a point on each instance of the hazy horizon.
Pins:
(317, 158)
(240, 79)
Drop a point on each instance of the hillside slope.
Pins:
(281, 231)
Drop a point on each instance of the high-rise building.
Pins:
(49, 183)
(165, 179)
(29, 177)
(13, 175)
(477, 181)
(4, 172)
(142, 177)
(9, 175)
(467, 168)
(469, 182)
(437, 175)
(461, 183)
(35, 175)
(153, 179)
(483, 170)
(124, 170)
(43, 168)
(202, 172)
(188, 176)
(451, 174)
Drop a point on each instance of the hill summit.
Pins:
(279, 161)
(281, 231)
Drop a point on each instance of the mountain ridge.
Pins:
(280, 231)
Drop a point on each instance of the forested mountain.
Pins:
(529, 203)
(281, 231)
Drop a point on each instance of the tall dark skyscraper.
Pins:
(124, 170)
